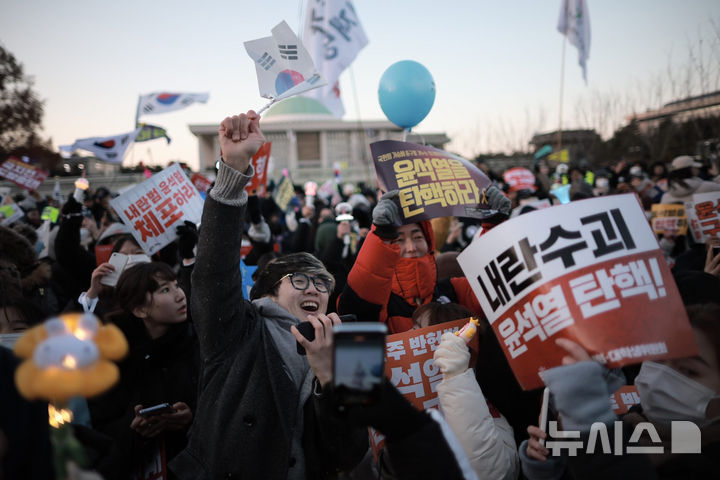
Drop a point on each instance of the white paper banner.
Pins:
(155, 207)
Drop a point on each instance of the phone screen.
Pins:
(358, 362)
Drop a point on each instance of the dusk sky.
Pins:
(496, 64)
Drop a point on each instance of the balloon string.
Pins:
(266, 106)
(405, 134)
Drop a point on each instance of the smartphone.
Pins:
(156, 410)
(358, 361)
(121, 261)
(117, 260)
(307, 330)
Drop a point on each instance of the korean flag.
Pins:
(284, 67)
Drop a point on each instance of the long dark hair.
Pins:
(136, 282)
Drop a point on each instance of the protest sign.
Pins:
(519, 178)
(22, 174)
(155, 207)
(668, 217)
(247, 272)
(703, 215)
(102, 253)
(284, 192)
(10, 211)
(624, 398)
(590, 271)
(562, 156)
(431, 183)
(410, 367)
(201, 182)
(258, 183)
(50, 213)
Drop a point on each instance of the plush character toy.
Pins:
(65, 357)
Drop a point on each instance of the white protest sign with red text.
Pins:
(154, 208)
(590, 271)
(703, 213)
(22, 174)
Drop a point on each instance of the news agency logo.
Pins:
(685, 438)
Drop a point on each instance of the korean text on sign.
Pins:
(430, 183)
(704, 215)
(590, 271)
(153, 208)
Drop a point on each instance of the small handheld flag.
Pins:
(283, 65)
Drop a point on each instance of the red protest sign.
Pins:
(431, 183)
(201, 182)
(410, 367)
(519, 178)
(624, 398)
(22, 174)
(590, 271)
(258, 184)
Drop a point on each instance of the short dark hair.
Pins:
(267, 279)
(139, 280)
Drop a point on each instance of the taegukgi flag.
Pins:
(284, 68)
(574, 22)
(109, 149)
(162, 102)
(333, 36)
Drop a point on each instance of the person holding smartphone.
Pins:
(148, 413)
(263, 409)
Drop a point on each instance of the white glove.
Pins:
(452, 356)
(259, 232)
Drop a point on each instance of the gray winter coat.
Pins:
(248, 406)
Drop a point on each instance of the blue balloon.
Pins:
(406, 93)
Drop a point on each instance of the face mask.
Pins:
(8, 340)
(602, 183)
(84, 234)
(667, 395)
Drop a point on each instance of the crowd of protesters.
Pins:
(245, 404)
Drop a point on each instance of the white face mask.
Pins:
(8, 340)
(667, 395)
(84, 234)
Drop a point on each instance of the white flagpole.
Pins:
(137, 112)
(266, 106)
(562, 82)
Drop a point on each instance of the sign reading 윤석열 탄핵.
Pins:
(430, 182)
(590, 271)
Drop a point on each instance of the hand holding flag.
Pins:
(240, 137)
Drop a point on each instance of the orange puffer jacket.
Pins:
(384, 287)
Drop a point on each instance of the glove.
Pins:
(452, 356)
(259, 232)
(497, 200)
(187, 238)
(386, 216)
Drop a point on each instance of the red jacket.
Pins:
(384, 287)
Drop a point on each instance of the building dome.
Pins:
(297, 108)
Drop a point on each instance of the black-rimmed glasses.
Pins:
(301, 281)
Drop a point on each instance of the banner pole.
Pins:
(562, 85)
